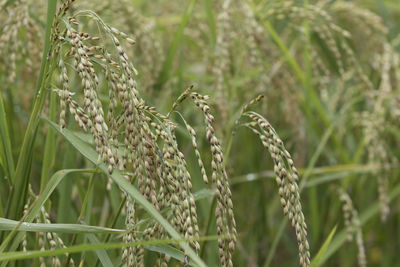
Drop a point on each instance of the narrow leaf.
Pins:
(19, 255)
(5, 141)
(167, 66)
(317, 259)
(101, 253)
(6, 224)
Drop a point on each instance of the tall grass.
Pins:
(132, 133)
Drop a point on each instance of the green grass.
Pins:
(341, 129)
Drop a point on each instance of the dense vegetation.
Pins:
(203, 133)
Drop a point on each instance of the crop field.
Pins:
(199, 133)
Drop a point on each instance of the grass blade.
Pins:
(19, 255)
(6, 143)
(50, 145)
(168, 250)
(101, 253)
(316, 261)
(208, 7)
(6, 225)
(167, 66)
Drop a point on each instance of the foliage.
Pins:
(127, 132)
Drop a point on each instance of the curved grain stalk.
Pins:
(286, 176)
(353, 226)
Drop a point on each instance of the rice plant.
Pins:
(133, 133)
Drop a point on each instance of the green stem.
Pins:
(211, 218)
(51, 13)
(167, 66)
(49, 149)
(108, 236)
(6, 142)
(19, 190)
(275, 243)
(82, 213)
